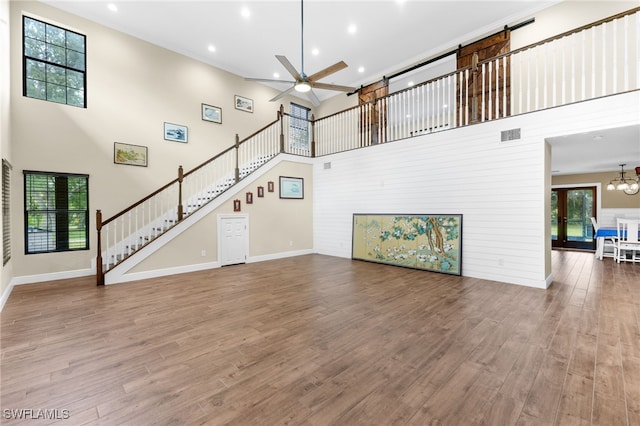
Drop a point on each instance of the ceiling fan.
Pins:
(303, 83)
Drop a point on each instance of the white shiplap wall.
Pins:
(463, 171)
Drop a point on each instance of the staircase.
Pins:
(129, 231)
(529, 79)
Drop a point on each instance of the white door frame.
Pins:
(221, 219)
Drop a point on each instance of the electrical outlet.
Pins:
(290, 243)
(203, 253)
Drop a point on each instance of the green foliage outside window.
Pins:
(54, 63)
(56, 212)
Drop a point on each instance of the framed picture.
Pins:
(431, 242)
(243, 104)
(270, 186)
(291, 187)
(236, 205)
(261, 191)
(249, 197)
(131, 155)
(212, 113)
(175, 132)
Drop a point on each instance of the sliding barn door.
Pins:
(373, 113)
(484, 93)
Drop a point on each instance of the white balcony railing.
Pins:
(597, 60)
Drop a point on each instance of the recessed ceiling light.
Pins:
(410, 83)
(315, 51)
(276, 75)
(211, 48)
(361, 69)
(351, 29)
(245, 12)
(112, 7)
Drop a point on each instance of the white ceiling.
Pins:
(391, 35)
(598, 151)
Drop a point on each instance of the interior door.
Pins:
(571, 212)
(232, 239)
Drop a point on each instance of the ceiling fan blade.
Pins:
(328, 71)
(327, 86)
(281, 94)
(292, 70)
(313, 98)
(269, 80)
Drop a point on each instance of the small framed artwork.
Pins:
(236, 205)
(243, 104)
(249, 197)
(270, 186)
(212, 113)
(131, 155)
(175, 132)
(291, 187)
(261, 191)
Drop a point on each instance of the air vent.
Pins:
(327, 165)
(509, 135)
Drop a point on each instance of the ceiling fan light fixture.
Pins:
(302, 87)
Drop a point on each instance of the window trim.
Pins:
(6, 211)
(293, 142)
(26, 212)
(46, 62)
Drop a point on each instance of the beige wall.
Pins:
(275, 225)
(133, 87)
(5, 122)
(564, 16)
(609, 199)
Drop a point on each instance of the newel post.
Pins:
(99, 273)
(474, 85)
(237, 172)
(313, 136)
(180, 207)
(281, 118)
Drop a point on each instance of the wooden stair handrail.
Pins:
(185, 174)
(181, 175)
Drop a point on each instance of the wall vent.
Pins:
(327, 165)
(509, 135)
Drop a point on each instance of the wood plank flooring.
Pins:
(317, 340)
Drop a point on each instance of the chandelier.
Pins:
(628, 185)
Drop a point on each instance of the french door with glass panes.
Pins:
(571, 212)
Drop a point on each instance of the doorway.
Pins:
(233, 239)
(571, 212)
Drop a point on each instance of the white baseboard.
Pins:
(5, 295)
(53, 276)
(548, 281)
(157, 273)
(282, 255)
(34, 279)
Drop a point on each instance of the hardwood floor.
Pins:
(317, 340)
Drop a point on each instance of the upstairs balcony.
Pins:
(594, 61)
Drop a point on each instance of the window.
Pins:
(299, 127)
(6, 211)
(56, 212)
(54, 62)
